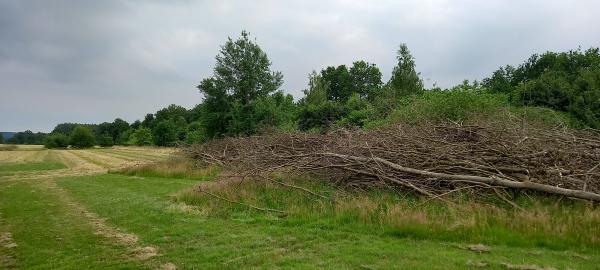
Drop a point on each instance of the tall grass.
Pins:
(540, 224)
(171, 168)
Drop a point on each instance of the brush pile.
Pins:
(432, 160)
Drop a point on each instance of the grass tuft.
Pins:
(172, 168)
(541, 223)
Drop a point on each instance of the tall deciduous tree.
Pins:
(118, 127)
(242, 75)
(141, 136)
(362, 78)
(365, 79)
(405, 80)
(164, 133)
(340, 84)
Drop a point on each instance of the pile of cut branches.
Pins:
(432, 160)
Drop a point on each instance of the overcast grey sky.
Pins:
(93, 61)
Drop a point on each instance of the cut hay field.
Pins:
(139, 208)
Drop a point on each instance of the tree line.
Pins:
(243, 97)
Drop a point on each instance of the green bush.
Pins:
(105, 140)
(453, 105)
(141, 136)
(320, 116)
(164, 133)
(56, 140)
(195, 136)
(586, 105)
(82, 137)
(565, 81)
(359, 112)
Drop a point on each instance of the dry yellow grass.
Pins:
(78, 162)
(172, 168)
(18, 156)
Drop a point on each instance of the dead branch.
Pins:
(430, 160)
(240, 203)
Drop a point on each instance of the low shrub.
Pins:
(455, 105)
(56, 140)
(82, 137)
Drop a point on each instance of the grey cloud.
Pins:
(93, 61)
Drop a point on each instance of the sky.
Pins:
(93, 61)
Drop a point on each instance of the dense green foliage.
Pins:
(57, 140)
(456, 104)
(27, 137)
(566, 81)
(105, 140)
(82, 137)
(405, 80)
(141, 136)
(237, 99)
(243, 97)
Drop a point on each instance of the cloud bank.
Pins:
(93, 61)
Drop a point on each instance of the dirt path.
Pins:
(7, 246)
(79, 163)
(116, 235)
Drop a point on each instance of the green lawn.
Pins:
(48, 235)
(143, 206)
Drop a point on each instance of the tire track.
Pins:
(129, 240)
(79, 163)
(7, 246)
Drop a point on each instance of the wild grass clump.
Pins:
(538, 222)
(171, 168)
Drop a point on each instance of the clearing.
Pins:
(62, 209)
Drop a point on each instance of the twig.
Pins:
(294, 186)
(243, 204)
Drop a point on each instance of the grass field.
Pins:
(78, 215)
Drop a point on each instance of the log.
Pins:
(494, 180)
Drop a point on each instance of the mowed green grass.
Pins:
(12, 168)
(192, 239)
(50, 236)
(195, 231)
(41, 160)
